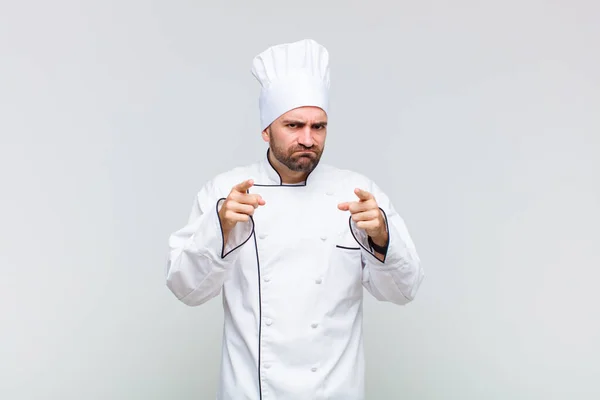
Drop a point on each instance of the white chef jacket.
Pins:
(292, 282)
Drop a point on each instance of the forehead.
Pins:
(306, 114)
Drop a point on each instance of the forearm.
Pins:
(393, 272)
(193, 278)
(200, 256)
(395, 281)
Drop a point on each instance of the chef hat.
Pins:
(291, 75)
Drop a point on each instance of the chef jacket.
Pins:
(292, 281)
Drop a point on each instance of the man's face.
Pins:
(297, 138)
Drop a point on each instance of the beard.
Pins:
(294, 161)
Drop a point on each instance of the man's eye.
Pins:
(292, 126)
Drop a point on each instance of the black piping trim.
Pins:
(272, 166)
(280, 180)
(223, 235)
(347, 248)
(280, 184)
(259, 313)
(361, 245)
(284, 185)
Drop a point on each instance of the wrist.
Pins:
(379, 244)
(380, 240)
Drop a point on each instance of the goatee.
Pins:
(298, 159)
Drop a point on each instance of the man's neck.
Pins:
(288, 176)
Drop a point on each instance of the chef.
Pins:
(290, 243)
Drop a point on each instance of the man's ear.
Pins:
(266, 134)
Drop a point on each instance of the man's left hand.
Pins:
(367, 216)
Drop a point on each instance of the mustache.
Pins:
(313, 148)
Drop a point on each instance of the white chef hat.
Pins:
(291, 75)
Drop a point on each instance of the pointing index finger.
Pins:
(363, 194)
(242, 187)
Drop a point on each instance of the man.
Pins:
(291, 242)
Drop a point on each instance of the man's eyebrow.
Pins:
(298, 122)
(293, 121)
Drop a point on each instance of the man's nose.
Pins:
(306, 138)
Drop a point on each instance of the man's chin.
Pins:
(304, 163)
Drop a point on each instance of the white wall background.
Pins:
(480, 119)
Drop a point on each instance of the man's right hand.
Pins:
(238, 207)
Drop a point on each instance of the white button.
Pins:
(323, 238)
(267, 279)
(329, 193)
(268, 321)
(318, 281)
(314, 325)
(262, 236)
(314, 369)
(267, 366)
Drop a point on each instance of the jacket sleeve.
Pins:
(199, 261)
(397, 278)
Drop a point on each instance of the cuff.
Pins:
(208, 239)
(239, 235)
(363, 239)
